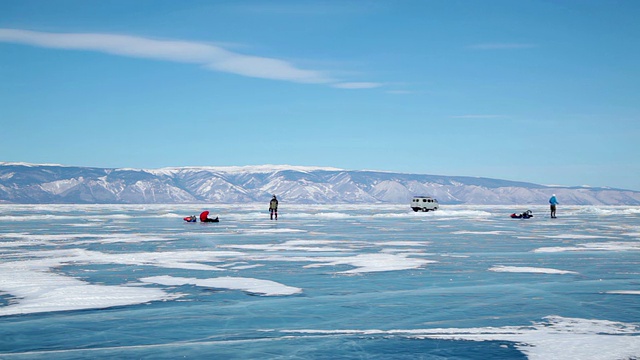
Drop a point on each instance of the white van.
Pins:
(424, 203)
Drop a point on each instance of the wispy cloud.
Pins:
(209, 56)
(357, 85)
(502, 46)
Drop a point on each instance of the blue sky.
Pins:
(539, 91)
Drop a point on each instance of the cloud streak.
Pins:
(209, 56)
(357, 85)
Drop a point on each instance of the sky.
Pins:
(540, 91)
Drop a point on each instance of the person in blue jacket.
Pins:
(553, 202)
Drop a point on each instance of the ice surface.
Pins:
(256, 286)
(332, 281)
(528, 269)
(627, 292)
(373, 262)
(38, 290)
(554, 338)
(595, 246)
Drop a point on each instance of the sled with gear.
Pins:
(525, 215)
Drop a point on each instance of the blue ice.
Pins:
(321, 282)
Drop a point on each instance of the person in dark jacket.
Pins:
(273, 207)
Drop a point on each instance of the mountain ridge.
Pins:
(53, 183)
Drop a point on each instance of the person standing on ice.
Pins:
(553, 202)
(273, 207)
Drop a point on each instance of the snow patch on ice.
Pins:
(404, 243)
(34, 289)
(469, 232)
(45, 217)
(250, 285)
(365, 263)
(556, 337)
(271, 231)
(579, 236)
(526, 269)
(292, 245)
(606, 211)
(623, 292)
(25, 239)
(600, 246)
(188, 260)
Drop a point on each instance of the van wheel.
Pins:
(425, 209)
(415, 210)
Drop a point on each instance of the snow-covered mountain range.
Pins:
(30, 183)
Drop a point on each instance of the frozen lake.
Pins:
(322, 282)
